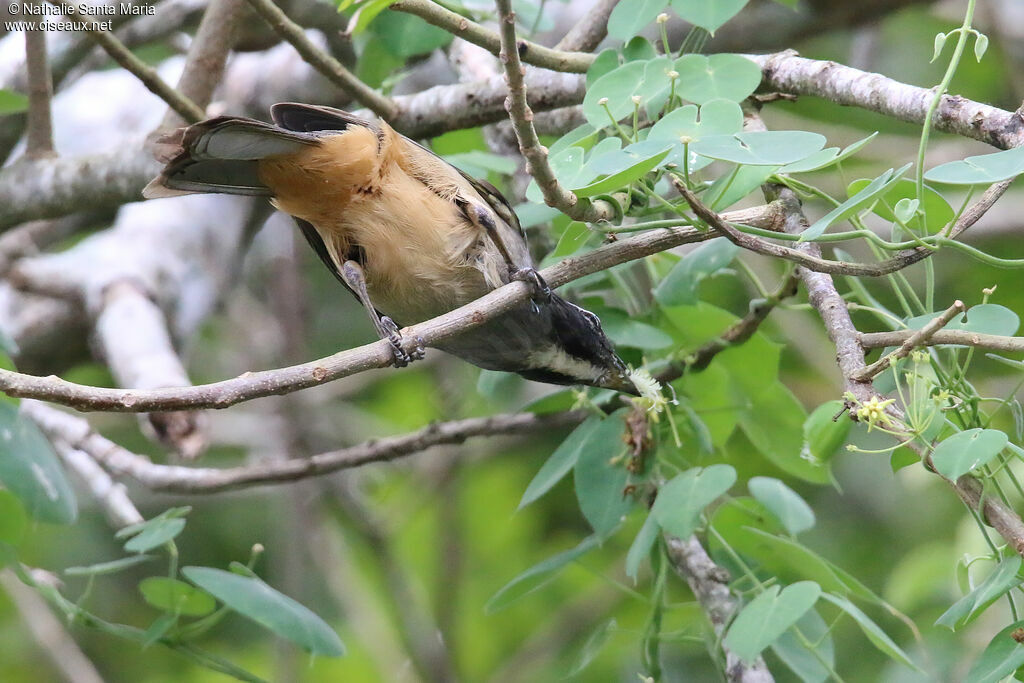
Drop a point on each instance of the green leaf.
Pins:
(873, 631)
(13, 519)
(681, 501)
(256, 600)
(620, 169)
(605, 62)
(583, 136)
(629, 17)
(826, 157)
(561, 461)
(407, 36)
(159, 628)
(155, 535)
(773, 422)
(593, 646)
(937, 211)
(618, 87)
(708, 15)
(111, 567)
(811, 666)
(12, 102)
(638, 49)
(600, 477)
(364, 14)
(574, 238)
(939, 43)
(176, 597)
(785, 503)
(8, 554)
(627, 331)
(967, 450)
(732, 187)
(537, 576)
(823, 435)
(871, 192)
(640, 549)
(719, 76)
(790, 559)
(761, 148)
(1003, 656)
(680, 285)
(980, 45)
(1003, 579)
(768, 616)
(30, 470)
(983, 169)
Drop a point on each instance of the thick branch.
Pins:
(589, 31)
(789, 73)
(470, 31)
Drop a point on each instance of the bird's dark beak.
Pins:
(619, 381)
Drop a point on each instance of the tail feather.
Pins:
(221, 155)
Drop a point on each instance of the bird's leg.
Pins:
(541, 292)
(386, 328)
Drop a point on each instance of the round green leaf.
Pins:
(176, 597)
(256, 600)
(783, 502)
(605, 62)
(617, 86)
(680, 502)
(761, 148)
(721, 76)
(826, 157)
(708, 14)
(629, 17)
(983, 169)
(768, 616)
(620, 168)
(937, 211)
(30, 470)
(680, 285)
(967, 450)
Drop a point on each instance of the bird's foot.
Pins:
(540, 292)
(402, 357)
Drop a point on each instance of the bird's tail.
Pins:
(221, 155)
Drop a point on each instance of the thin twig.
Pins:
(177, 101)
(78, 434)
(736, 334)
(995, 342)
(916, 339)
(536, 155)
(470, 31)
(327, 65)
(39, 131)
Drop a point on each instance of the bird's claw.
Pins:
(540, 292)
(402, 357)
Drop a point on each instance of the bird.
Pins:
(410, 235)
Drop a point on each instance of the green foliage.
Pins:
(30, 470)
(12, 102)
(768, 616)
(251, 597)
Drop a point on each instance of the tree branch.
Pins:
(536, 155)
(589, 31)
(77, 433)
(710, 585)
(995, 342)
(327, 65)
(376, 355)
(470, 31)
(39, 133)
(916, 339)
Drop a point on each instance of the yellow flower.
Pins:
(651, 397)
(873, 412)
